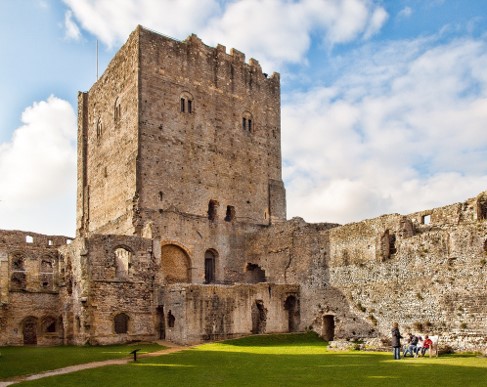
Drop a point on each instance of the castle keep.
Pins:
(182, 230)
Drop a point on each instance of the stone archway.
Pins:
(328, 327)
(29, 331)
(175, 264)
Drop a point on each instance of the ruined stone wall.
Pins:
(189, 158)
(425, 270)
(114, 275)
(195, 313)
(31, 272)
(108, 146)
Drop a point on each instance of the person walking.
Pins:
(396, 341)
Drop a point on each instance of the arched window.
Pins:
(210, 261)
(186, 104)
(121, 323)
(123, 259)
(247, 122)
(117, 111)
(99, 128)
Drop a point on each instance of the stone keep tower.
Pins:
(178, 129)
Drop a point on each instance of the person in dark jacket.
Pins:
(396, 341)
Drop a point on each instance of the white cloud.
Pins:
(274, 31)
(405, 13)
(38, 170)
(112, 21)
(402, 129)
(72, 30)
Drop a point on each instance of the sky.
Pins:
(384, 102)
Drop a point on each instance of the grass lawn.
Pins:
(16, 361)
(281, 360)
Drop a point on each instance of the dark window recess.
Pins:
(18, 280)
(121, 323)
(209, 267)
(250, 125)
(244, 123)
(183, 102)
(212, 210)
(171, 320)
(51, 328)
(392, 244)
(18, 264)
(230, 216)
(254, 274)
(190, 106)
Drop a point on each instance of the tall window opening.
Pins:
(46, 272)
(210, 259)
(186, 104)
(99, 128)
(230, 216)
(247, 122)
(212, 210)
(18, 278)
(122, 262)
(117, 111)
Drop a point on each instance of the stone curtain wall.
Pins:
(31, 277)
(216, 312)
(367, 275)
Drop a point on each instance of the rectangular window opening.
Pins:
(190, 106)
(182, 105)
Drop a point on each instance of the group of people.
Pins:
(415, 346)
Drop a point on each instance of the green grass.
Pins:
(16, 361)
(280, 360)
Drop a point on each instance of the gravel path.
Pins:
(171, 348)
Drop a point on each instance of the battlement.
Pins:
(234, 55)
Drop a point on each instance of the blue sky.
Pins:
(384, 103)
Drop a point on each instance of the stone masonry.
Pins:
(182, 230)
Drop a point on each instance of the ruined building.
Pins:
(182, 230)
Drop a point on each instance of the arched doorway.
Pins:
(29, 331)
(175, 264)
(328, 327)
(292, 307)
